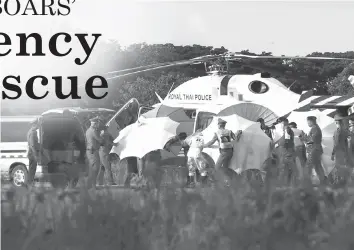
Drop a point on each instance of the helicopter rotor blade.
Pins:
(196, 60)
(238, 56)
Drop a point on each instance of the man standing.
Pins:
(93, 143)
(33, 150)
(288, 171)
(224, 137)
(105, 149)
(314, 149)
(300, 149)
(340, 151)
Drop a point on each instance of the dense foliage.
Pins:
(328, 77)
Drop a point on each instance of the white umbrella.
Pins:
(251, 150)
(146, 135)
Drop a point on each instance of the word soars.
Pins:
(35, 7)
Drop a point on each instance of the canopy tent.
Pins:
(253, 148)
(251, 112)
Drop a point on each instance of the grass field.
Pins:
(243, 216)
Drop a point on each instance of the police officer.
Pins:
(224, 137)
(340, 151)
(314, 149)
(288, 171)
(104, 151)
(93, 143)
(33, 150)
(300, 149)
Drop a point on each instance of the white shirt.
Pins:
(196, 146)
(297, 133)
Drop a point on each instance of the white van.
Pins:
(13, 149)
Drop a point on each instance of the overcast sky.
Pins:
(291, 28)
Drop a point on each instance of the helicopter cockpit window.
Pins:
(203, 120)
(258, 87)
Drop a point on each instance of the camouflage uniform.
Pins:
(288, 170)
(314, 151)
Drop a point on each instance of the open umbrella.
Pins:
(253, 148)
(145, 136)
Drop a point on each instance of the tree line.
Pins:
(325, 76)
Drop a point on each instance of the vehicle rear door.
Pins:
(125, 116)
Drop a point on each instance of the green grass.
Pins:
(238, 217)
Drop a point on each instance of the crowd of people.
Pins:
(297, 154)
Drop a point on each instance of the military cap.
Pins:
(293, 124)
(311, 118)
(221, 121)
(95, 119)
(338, 117)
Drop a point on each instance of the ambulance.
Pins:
(61, 137)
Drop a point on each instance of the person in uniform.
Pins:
(340, 151)
(224, 137)
(93, 143)
(195, 159)
(314, 150)
(300, 149)
(287, 171)
(267, 130)
(33, 150)
(104, 151)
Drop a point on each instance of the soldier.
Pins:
(288, 171)
(300, 149)
(94, 142)
(314, 150)
(224, 137)
(33, 150)
(104, 151)
(340, 151)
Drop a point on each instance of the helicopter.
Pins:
(250, 96)
(219, 87)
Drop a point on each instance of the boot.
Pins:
(190, 181)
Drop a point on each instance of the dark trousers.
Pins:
(32, 169)
(224, 158)
(132, 168)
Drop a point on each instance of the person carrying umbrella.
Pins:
(314, 149)
(267, 130)
(224, 137)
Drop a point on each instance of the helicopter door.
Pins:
(126, 116)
